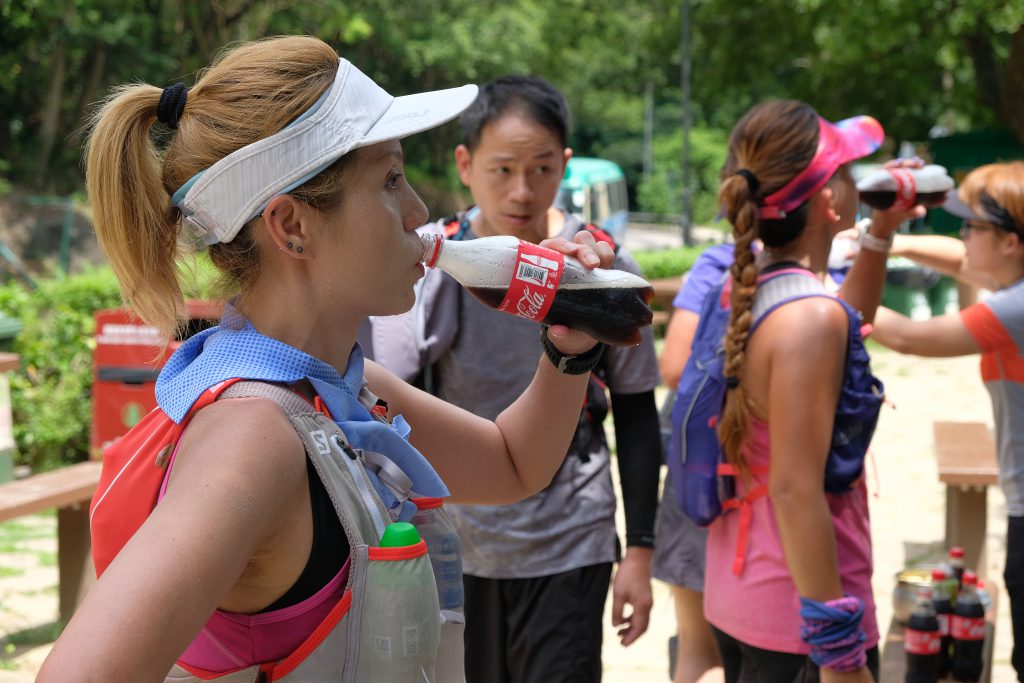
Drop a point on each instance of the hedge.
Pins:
(658, 263)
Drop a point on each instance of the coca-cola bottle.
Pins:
(968, 632)
(922, 640)
(956, 563)
(944, 613)
(901, 188)
(525, 279)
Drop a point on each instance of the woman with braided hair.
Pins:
(788, 580)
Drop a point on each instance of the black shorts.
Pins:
(748, 664)
(540, 630)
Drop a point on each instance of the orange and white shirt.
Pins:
(997, 325)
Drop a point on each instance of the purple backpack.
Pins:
(704, 482)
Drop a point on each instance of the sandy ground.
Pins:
(907, 507)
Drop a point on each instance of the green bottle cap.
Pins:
(399, 534)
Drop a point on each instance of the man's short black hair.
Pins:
(531, 96)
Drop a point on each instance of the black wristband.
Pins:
(571, 364)
(641, 539)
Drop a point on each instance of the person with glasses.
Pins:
(991, 254)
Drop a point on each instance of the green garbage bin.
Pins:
(942, 298)
(9, 328)
(906, 288)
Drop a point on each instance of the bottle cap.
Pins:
(970, 578)
(938, 575)
(399, 534)
(956, 551)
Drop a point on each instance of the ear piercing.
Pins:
(298, 249)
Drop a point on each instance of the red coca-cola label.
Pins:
(922, 642)
(968, 628)
(535, 279)
(943, 624)
(906, 189)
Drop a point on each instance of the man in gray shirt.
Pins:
(536, 572)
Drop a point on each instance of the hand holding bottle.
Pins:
(885, 222)
(591, 254)
(557, 283)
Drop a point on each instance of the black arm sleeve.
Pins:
(638, 446)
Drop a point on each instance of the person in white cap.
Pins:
(243, 539)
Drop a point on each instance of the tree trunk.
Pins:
(96, 66)
(51, 109)
(1013, 86)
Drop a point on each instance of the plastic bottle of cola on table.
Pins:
(530, 281)
(901, 188)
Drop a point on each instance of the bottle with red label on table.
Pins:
(922, 640)
(530, 281)
(968, 632)
(944, 613)
(956, 563)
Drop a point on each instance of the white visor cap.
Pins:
(354, 112)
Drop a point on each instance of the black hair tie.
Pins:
(171, 105)
(753, 184)
(732, 381)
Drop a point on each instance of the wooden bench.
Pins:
(965, 453)
(68, 489)
(665, 290)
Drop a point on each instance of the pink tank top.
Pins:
(761, 606)
(232, 641)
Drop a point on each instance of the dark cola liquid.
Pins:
(613, 315)
(884, 199)
(944, 610)
(967, 654)
(921, 667)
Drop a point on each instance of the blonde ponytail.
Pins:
(131, 209)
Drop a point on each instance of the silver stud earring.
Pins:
(290, 245)
(298, 250)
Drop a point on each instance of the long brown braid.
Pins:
(771, 144)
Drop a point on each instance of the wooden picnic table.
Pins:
(965, 453)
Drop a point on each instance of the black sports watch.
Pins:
(571, 364)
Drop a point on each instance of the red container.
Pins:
(127, 359)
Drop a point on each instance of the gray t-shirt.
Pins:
(571, 523)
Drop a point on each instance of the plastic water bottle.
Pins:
(397, 637)
(944, 613)
(530, 281)
(445, 558)
(901, 188)
(968, 632)
(922, 640)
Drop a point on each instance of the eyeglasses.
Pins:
(972, 226)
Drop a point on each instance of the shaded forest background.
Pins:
(922, 67)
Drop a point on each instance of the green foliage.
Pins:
(50, 394)
(660, 193)
(914, 64)
(659, 263)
